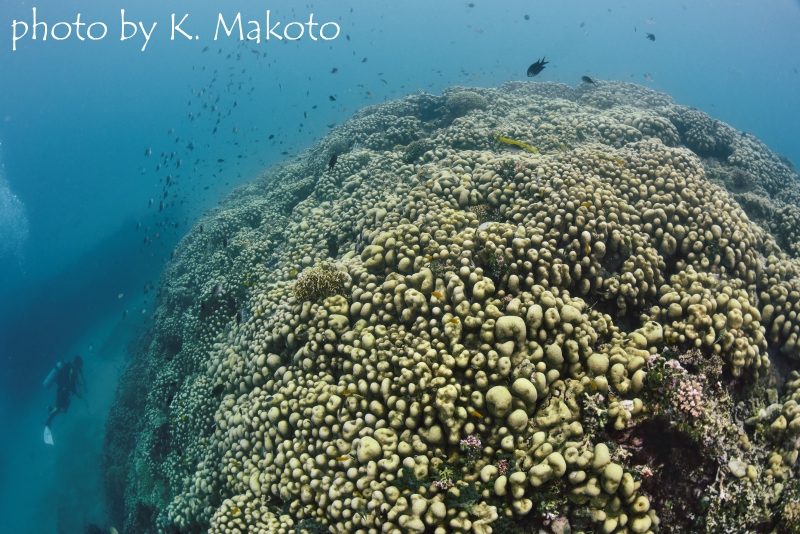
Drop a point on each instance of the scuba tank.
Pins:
(51, 376)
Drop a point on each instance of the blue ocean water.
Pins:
(81, 243)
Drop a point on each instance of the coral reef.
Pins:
(593, 338)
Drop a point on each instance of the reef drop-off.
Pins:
(447, 333)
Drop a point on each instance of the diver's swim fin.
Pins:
(48, 437)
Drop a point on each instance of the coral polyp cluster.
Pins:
(594, 337)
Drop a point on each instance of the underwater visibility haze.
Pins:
(400, 267)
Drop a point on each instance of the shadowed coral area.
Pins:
(448, 333)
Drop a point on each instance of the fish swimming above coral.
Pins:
(537, 67)
(519, 144)
(586, 79)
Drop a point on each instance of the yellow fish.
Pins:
(592, 383)
(454, 320)
(620, 162)
(586, 204)
(348, 392)
(437, 295)
(612, 398)
(588, 248)
(520, 144)
(293, 272)
(343, 458)
(473, 413)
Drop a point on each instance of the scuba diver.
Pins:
(68, 377)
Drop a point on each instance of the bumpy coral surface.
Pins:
(447, 333)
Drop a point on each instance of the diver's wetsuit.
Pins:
(67, 381)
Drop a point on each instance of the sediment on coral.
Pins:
(445, 333)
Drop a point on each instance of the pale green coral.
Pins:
(519, 301)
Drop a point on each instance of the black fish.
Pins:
(335, 70)
(651, 37)
(587, 80)
(148, 152)
(348, 36)
(272, 136)
(527, 17)
(225, 242)
(364, 60)
(220, 160)
(583, 24)
(305, 114)
(333, 161)
(537, 67)
(332, 98)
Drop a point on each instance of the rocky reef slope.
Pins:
(449, 332)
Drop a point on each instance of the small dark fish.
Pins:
(235, 129)
(220, 160)
(272, 136)
(332, 98)
(148, 152)
(215, 129)
(333, 161)
(190, 146)
(168, 178)
(178, 164)
(348, 36)
(527, 17)
(158, 167)
(305, 114)
(470, 5)
(364, 60)
(218, 389)
(217, 290)
(583, 24)
(384, 81)
(314, 106)
(537, 67)
(201, 228)
(169, 132)
(334, 71)
(161, 206)
(150, 203)
(651, 37)
(205, 50)
(225, 242)
(587, 80)
(125, 314)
